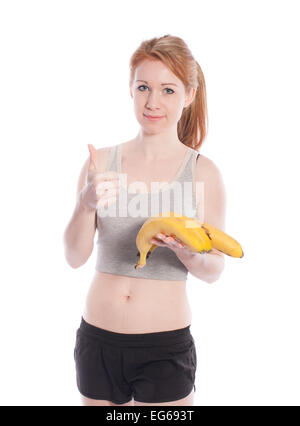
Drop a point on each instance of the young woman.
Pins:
(134, 345)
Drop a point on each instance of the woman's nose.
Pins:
(153, 100)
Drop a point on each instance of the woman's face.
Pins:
(160, 93)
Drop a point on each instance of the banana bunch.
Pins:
(198, 236)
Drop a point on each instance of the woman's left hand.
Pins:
(170, 241)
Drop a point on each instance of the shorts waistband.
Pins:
(159, 338)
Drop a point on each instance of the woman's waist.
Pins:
(114, 286)
(136, 310)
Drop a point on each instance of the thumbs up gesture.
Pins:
(101, 189)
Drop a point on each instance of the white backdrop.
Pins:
(63, 84)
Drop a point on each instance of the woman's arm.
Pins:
(211, 207)
(80, 232)
(205, 266)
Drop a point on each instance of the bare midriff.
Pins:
(136, 305)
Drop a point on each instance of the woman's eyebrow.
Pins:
(163, 84)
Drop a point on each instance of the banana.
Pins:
(222, 241)
(198, 236)
(219, 239)
(193, 226)
(195, 238)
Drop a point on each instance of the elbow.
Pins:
(74, 258)
(216, 276)
(75, 263)
(72, 261)
(213, 279)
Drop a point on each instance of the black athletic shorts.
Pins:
(149, 367)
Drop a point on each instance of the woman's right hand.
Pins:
(101, 189)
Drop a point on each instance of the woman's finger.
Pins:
(171, 240)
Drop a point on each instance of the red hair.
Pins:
(175, 54)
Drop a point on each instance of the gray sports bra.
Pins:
(119, 223)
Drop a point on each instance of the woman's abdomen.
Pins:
(131, 305)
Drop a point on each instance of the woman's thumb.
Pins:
(93, 157)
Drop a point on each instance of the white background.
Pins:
(64, 83)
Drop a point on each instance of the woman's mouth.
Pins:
(151, 118)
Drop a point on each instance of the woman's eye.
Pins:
(165, 89)
(170, 89)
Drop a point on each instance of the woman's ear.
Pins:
(189, 99)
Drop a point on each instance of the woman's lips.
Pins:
(153, 118)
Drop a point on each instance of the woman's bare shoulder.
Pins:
(205, 166)
(103, 155)
(102, 158)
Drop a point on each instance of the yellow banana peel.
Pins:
(219, 239)
(197, 236)
(222, 241)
